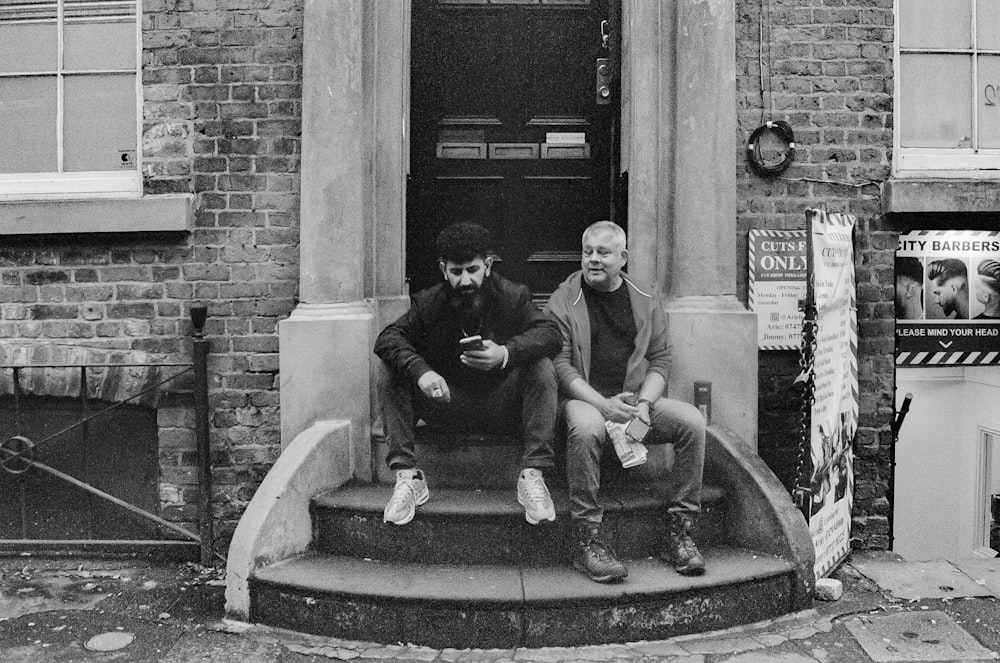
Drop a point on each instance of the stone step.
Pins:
(483, 606)
(464, 460)
(487, 526)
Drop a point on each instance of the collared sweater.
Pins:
(569, 308)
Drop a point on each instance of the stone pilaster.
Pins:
(680, 119)
(325, 344)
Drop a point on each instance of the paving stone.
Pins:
(916, 636)
(935, 579)
(659, 648)
(758, 657)
(415, 653)
(547, 654)
(721, 645)
(215, 647)
(983, 572)
(770, 639)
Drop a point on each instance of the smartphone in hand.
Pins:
(637, 429)
(471, 343)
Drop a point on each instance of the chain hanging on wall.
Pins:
(802, 493)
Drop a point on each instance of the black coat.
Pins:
(426, 337)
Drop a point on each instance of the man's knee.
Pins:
(542, 371)
(676, 420)
(690, 418)
(584, 424)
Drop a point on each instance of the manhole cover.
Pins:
(916, 636)
(110, 641)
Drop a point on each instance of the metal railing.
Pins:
(18, 453)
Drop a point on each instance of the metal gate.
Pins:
(94, 434)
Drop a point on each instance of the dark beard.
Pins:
(467, 307)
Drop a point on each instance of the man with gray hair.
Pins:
(613, 367)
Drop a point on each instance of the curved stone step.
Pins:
(485, 526)
(478, 460)
(486, 606)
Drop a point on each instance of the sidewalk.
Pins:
(63, 609)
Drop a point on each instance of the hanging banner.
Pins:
(948, 298)
(834, 414)
(777, 261)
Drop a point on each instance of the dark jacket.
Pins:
(426, 337)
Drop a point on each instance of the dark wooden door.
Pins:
(508, 130)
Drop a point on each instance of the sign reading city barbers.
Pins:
(947, 298)
(777, 260)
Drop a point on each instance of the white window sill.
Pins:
(160, 213)
(940, 195)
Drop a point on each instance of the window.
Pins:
(947, 88)
(70, 94)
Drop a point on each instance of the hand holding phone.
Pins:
(471, 343)
(637, 429)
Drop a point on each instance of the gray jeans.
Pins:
(523, 402)
(675, 422)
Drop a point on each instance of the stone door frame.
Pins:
(678, 59)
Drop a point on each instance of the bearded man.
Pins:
(508, 384)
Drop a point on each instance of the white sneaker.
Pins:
(533, 495)
(409, 493)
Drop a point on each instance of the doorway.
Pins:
(988, 497)
(514, 112)
(947, 463)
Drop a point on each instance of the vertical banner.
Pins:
(834, 414)
(777, 261)
(948, 298)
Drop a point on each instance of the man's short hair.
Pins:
(910, 268)
(948, 268)
(606, 226)
(463, 242)
(990, 271)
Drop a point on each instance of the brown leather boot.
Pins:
(681, 552)
(594, 558)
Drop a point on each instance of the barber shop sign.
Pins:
(947, 298)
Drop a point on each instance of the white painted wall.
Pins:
(938, 468)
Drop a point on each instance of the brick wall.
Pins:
(222, 109)
(826, 68)
(222, 120)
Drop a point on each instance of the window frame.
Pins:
(941, 163)
(62, 185)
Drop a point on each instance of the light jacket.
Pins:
(568, 307)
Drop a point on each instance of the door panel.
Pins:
(506, 131)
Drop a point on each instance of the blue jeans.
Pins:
(673, 421)
(524, 402)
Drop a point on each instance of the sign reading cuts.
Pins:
(777, 260)
(947, 298)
